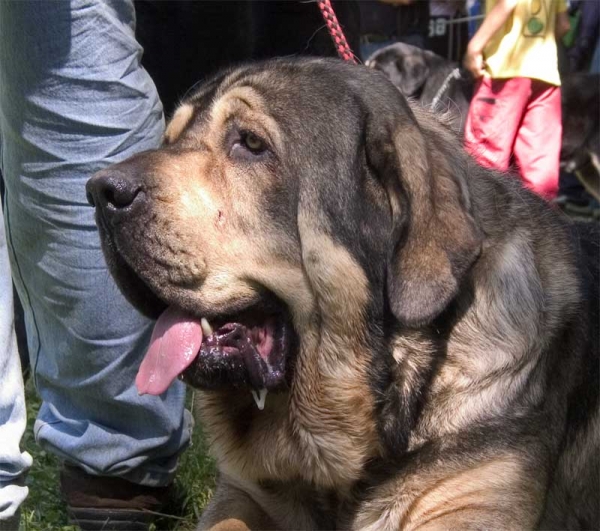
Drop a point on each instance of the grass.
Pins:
(45, 511)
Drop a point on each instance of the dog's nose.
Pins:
(112, 190)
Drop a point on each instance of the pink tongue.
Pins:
(174, 345)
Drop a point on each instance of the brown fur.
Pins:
(178, 123)
(442, 374)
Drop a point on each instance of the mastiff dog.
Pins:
(384, 335)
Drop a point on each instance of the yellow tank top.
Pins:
(526, 45)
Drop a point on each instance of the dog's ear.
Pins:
(434, 238)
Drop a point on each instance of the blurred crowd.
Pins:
(445, 26)
(518, 77)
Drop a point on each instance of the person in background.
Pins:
(516, 106)
(474, 12)
(587, 39)
(448, 38)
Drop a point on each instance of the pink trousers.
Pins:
(518, 117)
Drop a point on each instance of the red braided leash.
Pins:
(335, 30)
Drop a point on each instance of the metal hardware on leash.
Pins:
(455, 74)
(335, 30)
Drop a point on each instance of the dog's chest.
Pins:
(273, 445)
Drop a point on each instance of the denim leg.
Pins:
(73, 99)
(13, 462)
(595, 63)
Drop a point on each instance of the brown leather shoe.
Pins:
(109, 503)
(12, 523)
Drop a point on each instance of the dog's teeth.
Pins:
(206, 328)
(260, 398)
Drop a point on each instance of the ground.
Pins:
(44, 511)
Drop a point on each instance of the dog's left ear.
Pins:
(435, 239)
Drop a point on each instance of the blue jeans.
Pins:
(13, 462)
(74, 99)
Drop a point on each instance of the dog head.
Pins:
(406, 66)
(292, 198)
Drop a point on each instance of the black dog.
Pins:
(428, 78)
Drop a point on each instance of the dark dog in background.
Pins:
(420, 334)
(421, 74)
(580, 152)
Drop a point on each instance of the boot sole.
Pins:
(91, 519)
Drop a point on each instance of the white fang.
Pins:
(260, 398)
(206, 328)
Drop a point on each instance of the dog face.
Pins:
(405, 66)
(292, 201)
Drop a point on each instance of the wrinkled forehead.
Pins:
(235, 99)
(302, 108)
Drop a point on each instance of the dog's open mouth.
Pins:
(247, 351)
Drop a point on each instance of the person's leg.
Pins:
(538, 142)
(493, 120)
(74, 99)
(14, 463)
(595, 62)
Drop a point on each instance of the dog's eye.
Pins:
(247, 146)
(253, 142)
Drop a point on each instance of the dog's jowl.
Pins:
(383, 334)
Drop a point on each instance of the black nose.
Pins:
(112, 190)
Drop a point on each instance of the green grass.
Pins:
(44, 510)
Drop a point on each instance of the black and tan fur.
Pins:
(446, 374)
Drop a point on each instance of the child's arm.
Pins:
(493, 21)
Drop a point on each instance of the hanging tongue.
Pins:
(175, 343)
